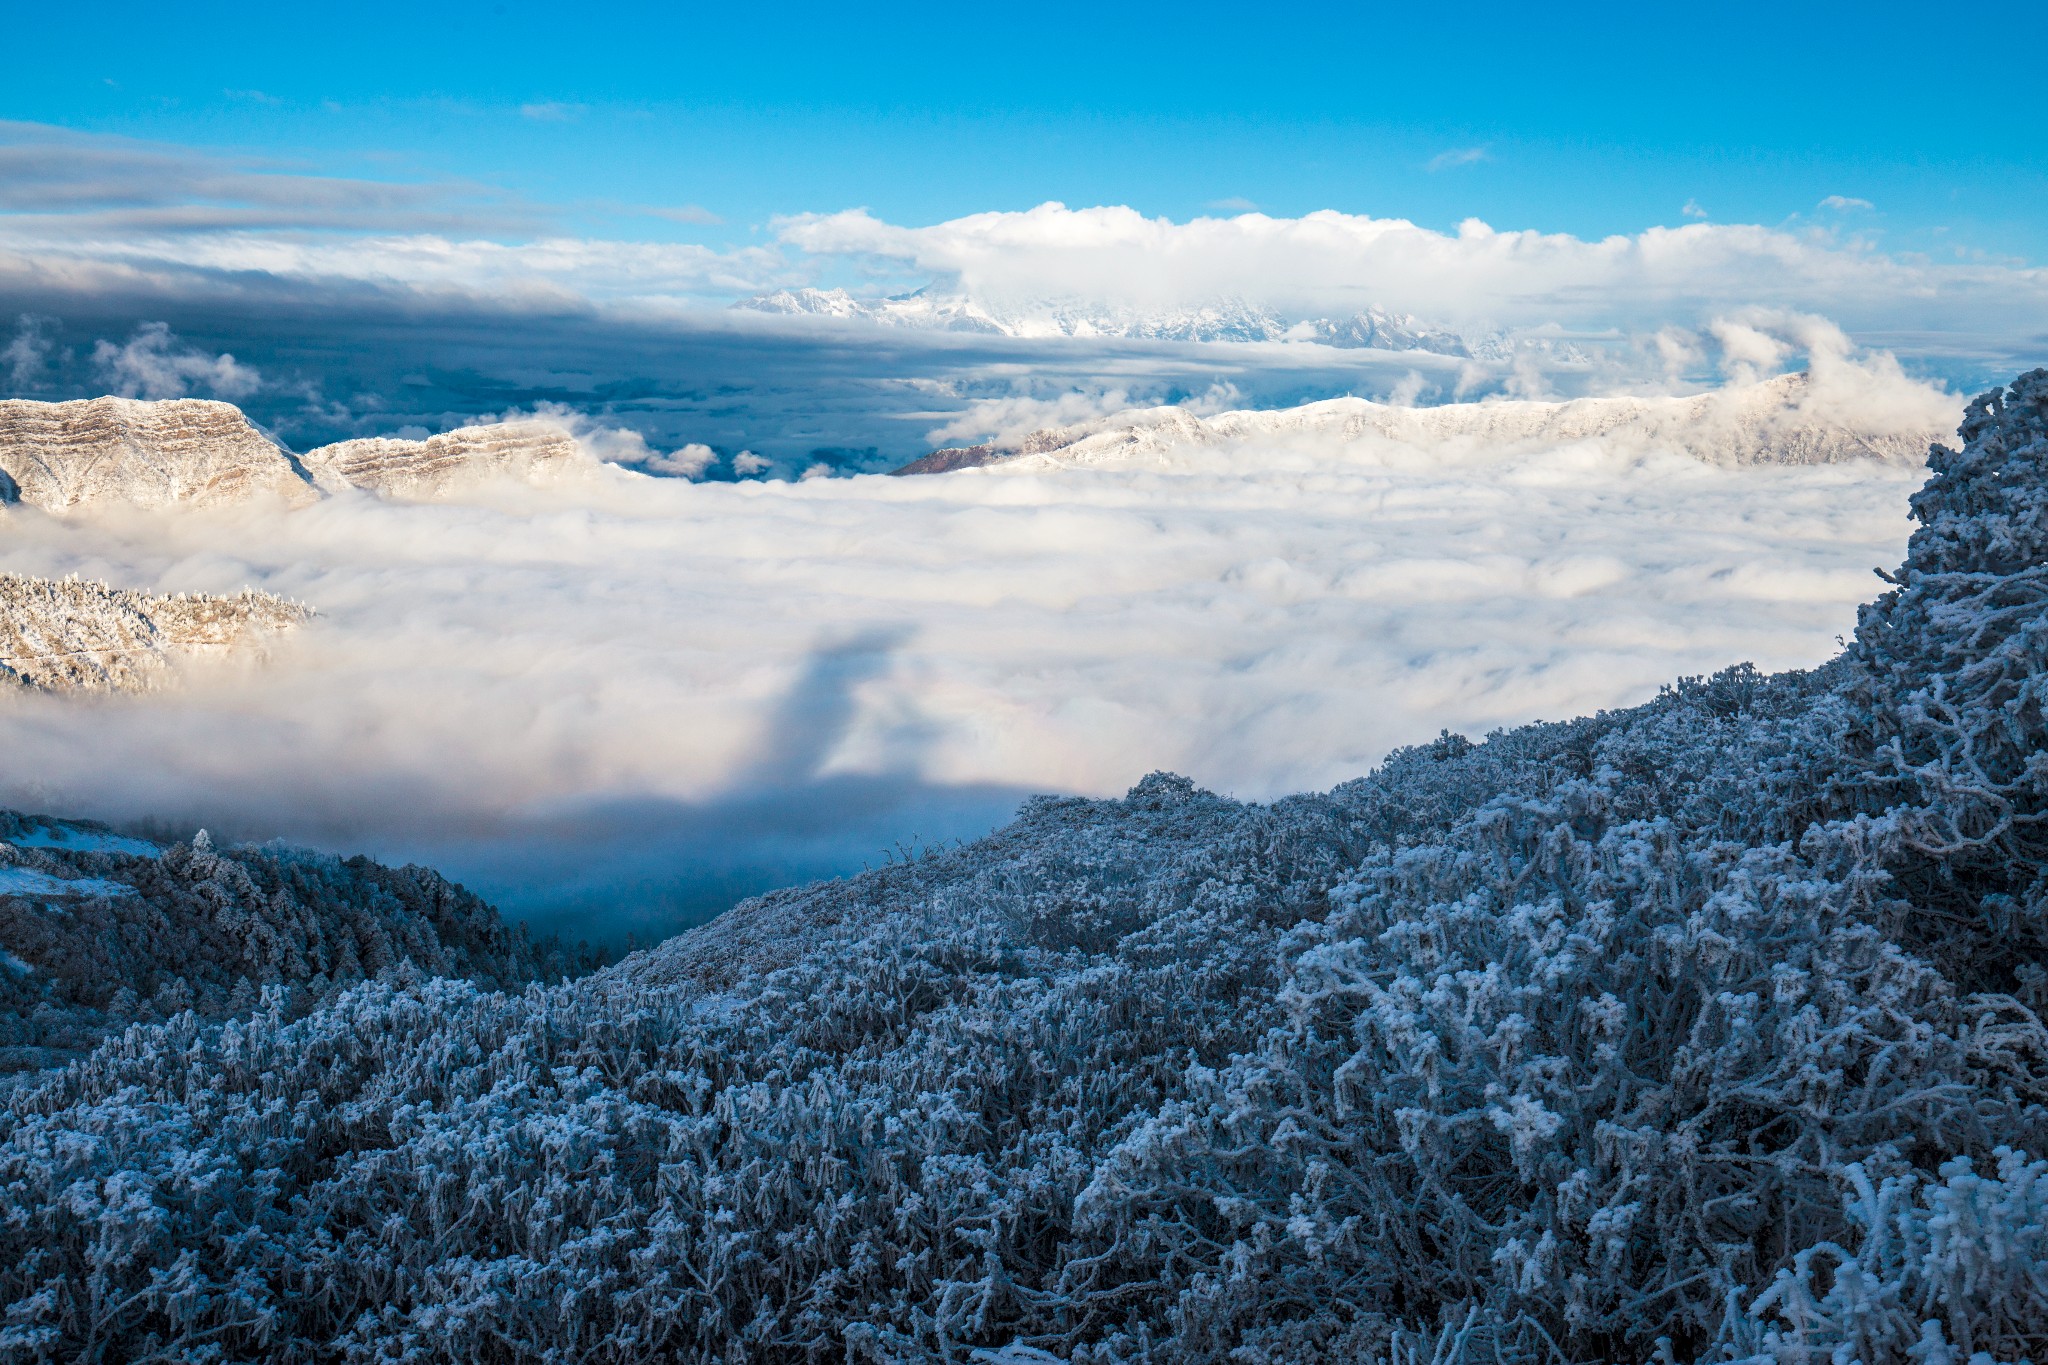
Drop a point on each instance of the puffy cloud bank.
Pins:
(650, 695)
(1474, 275)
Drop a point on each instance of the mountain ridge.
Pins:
(1786, 420)
(1228, 321)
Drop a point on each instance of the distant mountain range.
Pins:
(1778, 421)
(1229, 320)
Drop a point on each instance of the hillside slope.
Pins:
(101, 931)
(149, 453)
(1705, 1030)
(438, 464)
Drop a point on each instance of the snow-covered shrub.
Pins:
(1705, 1030)
(1951, 744)
(1948, 1268)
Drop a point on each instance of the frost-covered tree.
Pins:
(103, 931)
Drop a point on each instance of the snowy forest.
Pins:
(1707, 1030)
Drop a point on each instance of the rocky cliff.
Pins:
(429, 468)
(152, 454)
(192, 452)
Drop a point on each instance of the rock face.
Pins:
(191, 452)
(74, 636)
(1787, 420)
(439, 464)
(152, 454)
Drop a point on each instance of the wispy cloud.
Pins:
(553, 111)
(1458, 156)
(684, 213)
(27, 353)
(1693, 210)
(1842, 203)
(153, 363)
(70, 184)
(1234, 204)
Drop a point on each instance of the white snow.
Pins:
(23, 881)
(72, 839)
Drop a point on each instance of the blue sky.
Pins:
(412, 216)
(1606, 118)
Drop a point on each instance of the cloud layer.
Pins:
(653, 694)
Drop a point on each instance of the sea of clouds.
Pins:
(623, 701)
(616, 703)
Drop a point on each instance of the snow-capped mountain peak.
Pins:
(1224, 320)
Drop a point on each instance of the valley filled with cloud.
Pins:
(647, 694)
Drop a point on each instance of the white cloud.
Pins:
(108, 216)
(1235, 203)
(1747, 353)
(553, 111)
(1842, 203)
(1458, 156)
(545, 272)
(1328, 261)
(1265, 616)
(615, 445)
(155, 364)
(687, 461)
(27, 353)
(1692, 209)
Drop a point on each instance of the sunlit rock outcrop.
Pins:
(197, 453)
(438, 464)
(152, 454)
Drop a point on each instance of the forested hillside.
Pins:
(102, 931)
(1706, 1030)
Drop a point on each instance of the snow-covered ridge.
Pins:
(434, 466)
(73, 636)
(1792, 419)
(1229, 321)
(196, 452)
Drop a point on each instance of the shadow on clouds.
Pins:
(650, 867)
